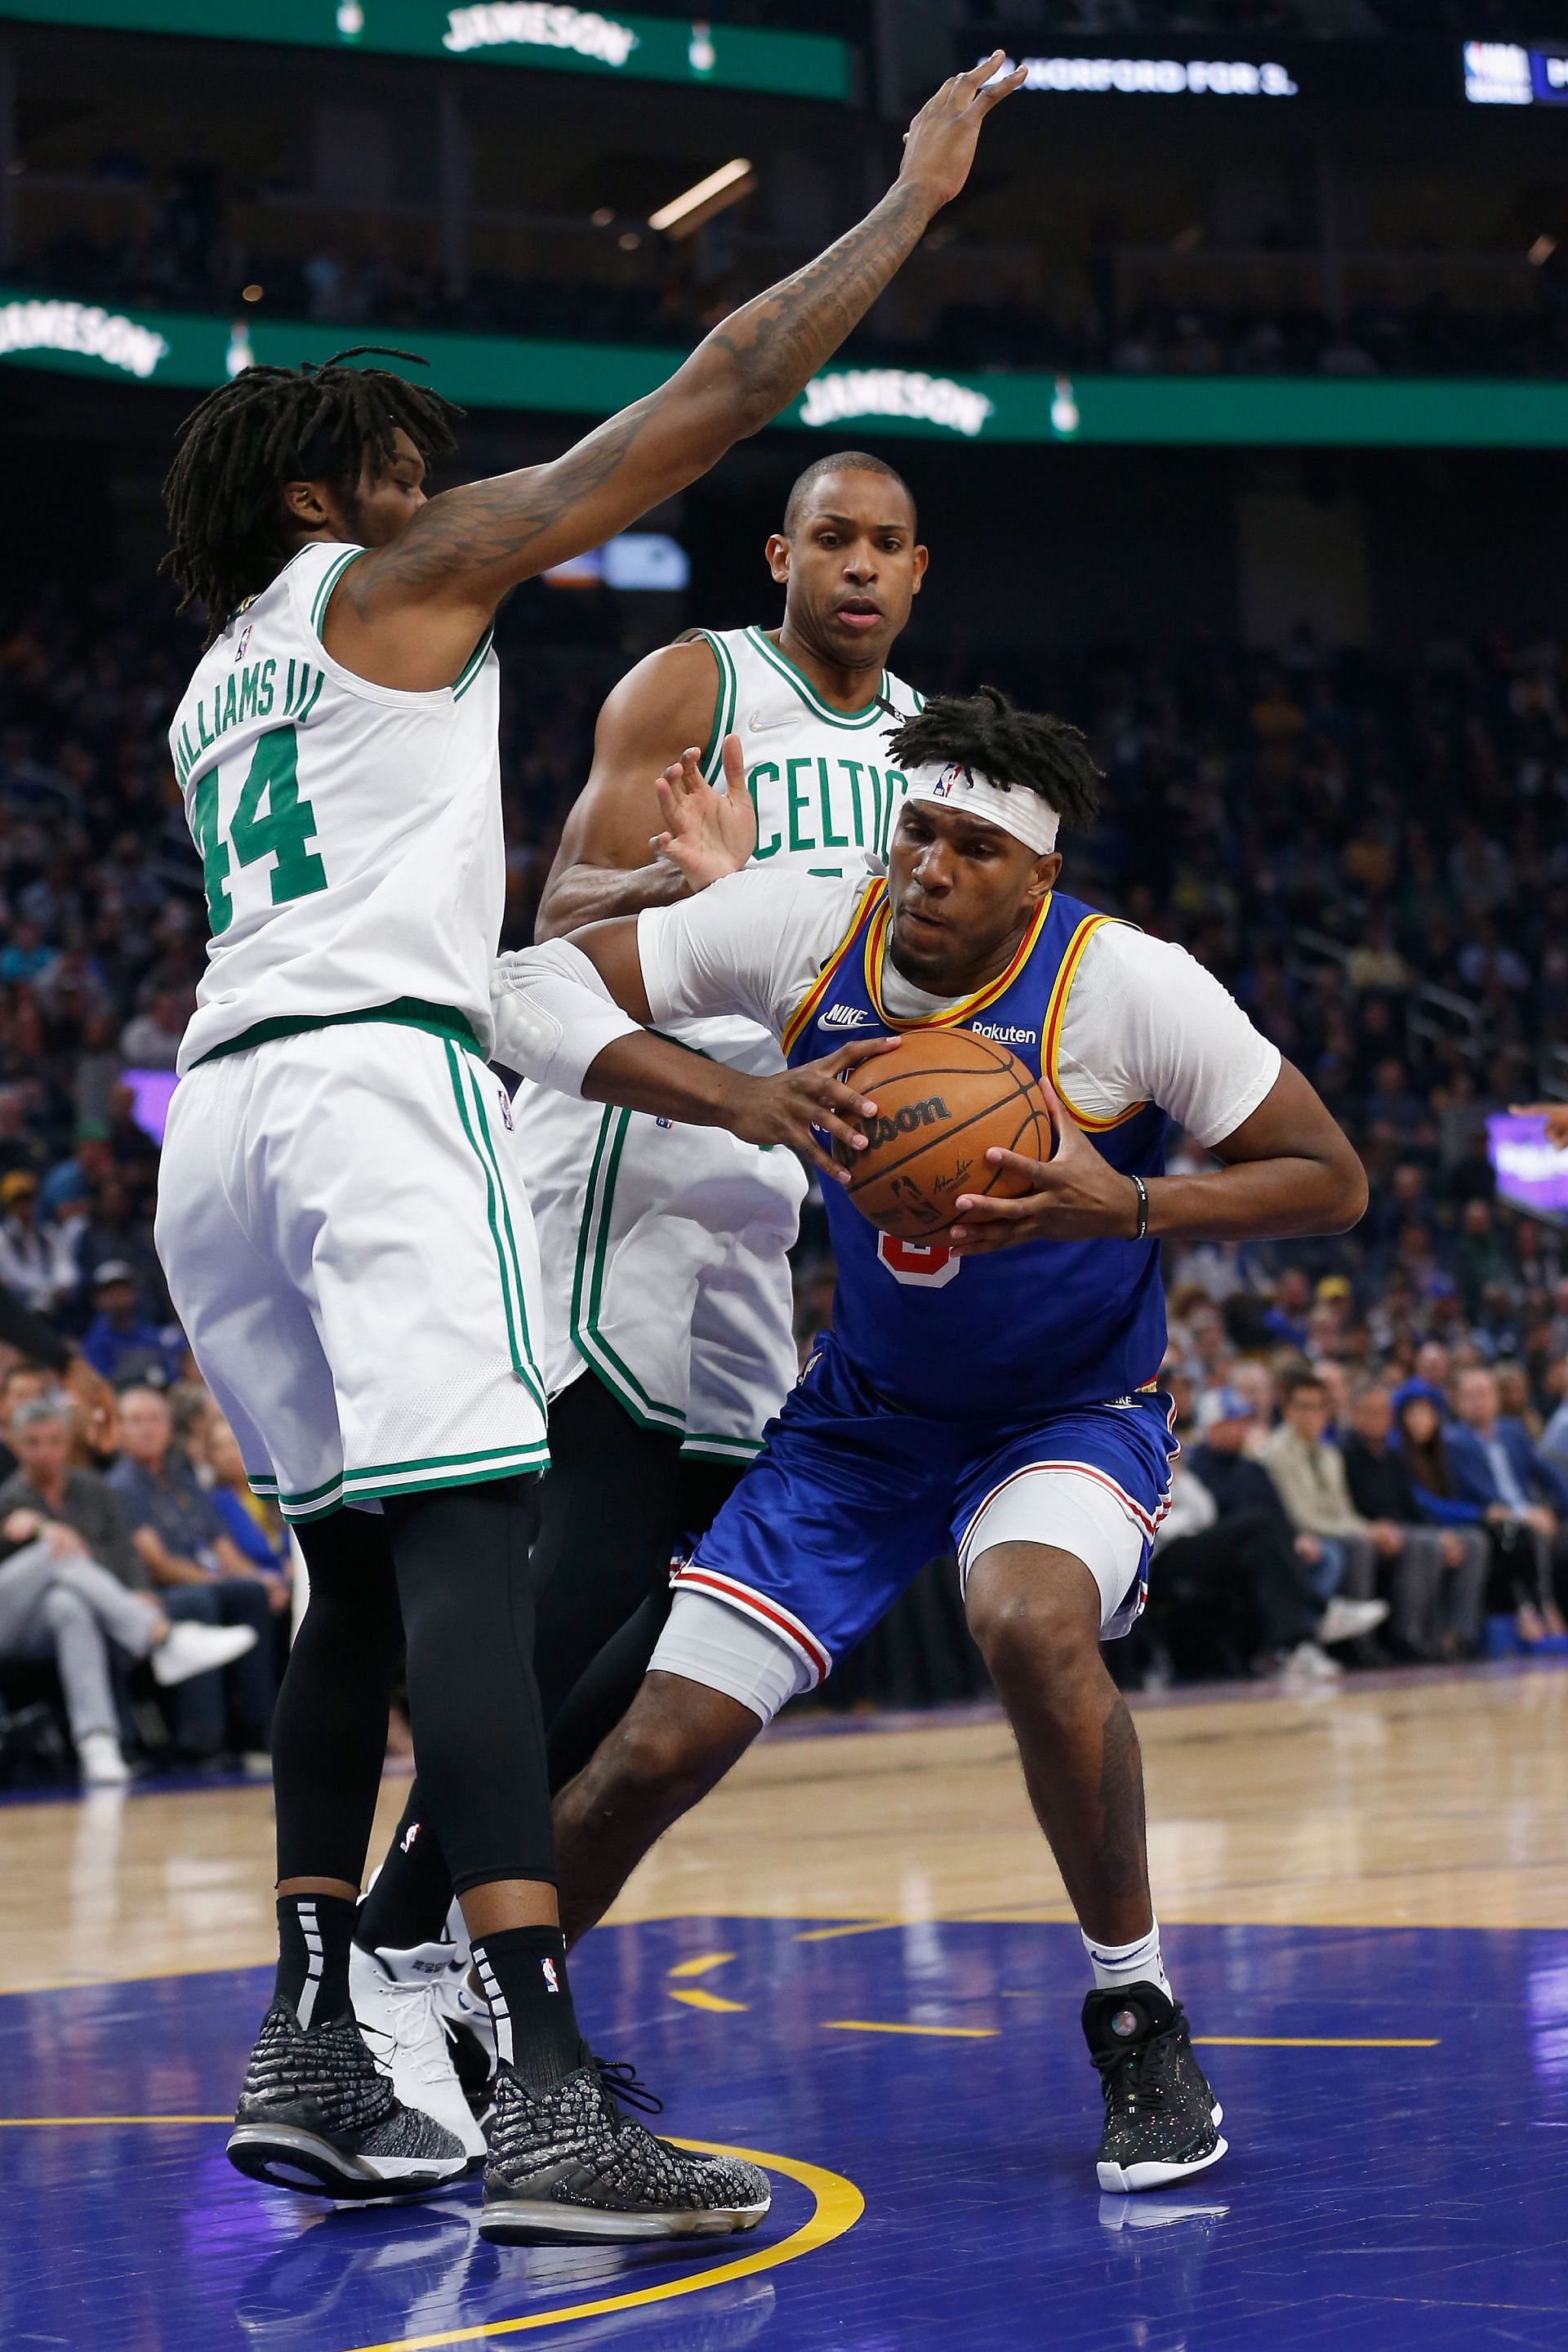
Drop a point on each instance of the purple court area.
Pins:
(1396, 2104)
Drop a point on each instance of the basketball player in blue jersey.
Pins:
(990, 1392)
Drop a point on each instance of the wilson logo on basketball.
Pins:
(905, 1121)
(944, 1098)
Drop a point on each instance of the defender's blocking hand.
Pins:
(708, 834)
(939, 145)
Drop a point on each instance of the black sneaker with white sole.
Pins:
(1162, 2119)
(317, 2114)
(566, 2167)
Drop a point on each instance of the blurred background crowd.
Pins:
(1373, 855)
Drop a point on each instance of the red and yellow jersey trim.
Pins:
(819, 986)
(1051, 1034)
(967, 1006)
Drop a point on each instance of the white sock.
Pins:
(1115, 1965)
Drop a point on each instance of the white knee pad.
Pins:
(708, 1641)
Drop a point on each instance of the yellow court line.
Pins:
(1311, 2042)
(868, 2025)
(856, 1928)
(698, 1999)
(838, 2206)
(62, 2122)
(700, 1966)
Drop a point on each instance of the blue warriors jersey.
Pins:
(1034, 1330)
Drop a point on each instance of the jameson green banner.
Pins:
(535, 33)
(594, 379)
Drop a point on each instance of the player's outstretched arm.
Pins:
(608, 863)
(467, 547)
(1289, 1169)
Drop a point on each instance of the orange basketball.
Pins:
(943, 1100)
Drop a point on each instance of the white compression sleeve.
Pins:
(553, 1015)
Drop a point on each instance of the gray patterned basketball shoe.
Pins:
(567, 2167)
(1162, 2118)
(317, 2114)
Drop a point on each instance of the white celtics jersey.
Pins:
(350, 834)
(664, 1248)
(826, 794)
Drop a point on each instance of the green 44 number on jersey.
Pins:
(271, 820)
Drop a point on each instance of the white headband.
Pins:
(1017, 809)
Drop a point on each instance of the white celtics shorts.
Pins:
(665, 1256)
(348, 1246)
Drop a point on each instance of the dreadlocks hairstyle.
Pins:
(270, 425)
(987, 733)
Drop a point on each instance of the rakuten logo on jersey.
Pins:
(845, 1016)
(1001, 1034)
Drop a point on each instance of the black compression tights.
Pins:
(329, 1732)
(456, 1561)
(464, 1583)
(617, 1500)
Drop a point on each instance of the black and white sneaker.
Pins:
(1162, 2119)
(566, 2167)
(317, 2114)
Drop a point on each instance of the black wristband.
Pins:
(1143, 1191)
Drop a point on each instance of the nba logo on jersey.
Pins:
(242, 641)
(552, 1981)
(505, 1101)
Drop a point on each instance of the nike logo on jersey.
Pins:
(846, 1016)
(759, 723)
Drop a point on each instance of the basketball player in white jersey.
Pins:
(348, 1248)
(669, 1338)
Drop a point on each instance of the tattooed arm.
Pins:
(408, 613)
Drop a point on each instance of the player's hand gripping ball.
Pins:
(943, 1100)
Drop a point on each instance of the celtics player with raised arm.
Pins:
(347, 1245)
(671, 1343)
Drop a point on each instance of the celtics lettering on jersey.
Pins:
(825, 795)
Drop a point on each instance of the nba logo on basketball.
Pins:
(552, 1981)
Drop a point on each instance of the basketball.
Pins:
(944, 1100)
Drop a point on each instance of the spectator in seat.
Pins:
(1522, 1497)
(1310, 1474)
(1440, 1576)
(65, 1570)
(120, 1343)
(36, 1261)
(197, 1571)
(152, 1041)
(1241, 1488)
(254, 1525)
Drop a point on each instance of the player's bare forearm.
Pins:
(470, 545)
(1262, 1199)
(597, 894)
(1290, 1170)
(795, 1108)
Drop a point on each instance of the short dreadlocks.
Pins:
(270, 425)
(987, 733)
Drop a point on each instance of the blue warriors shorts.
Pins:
(849, 1498)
